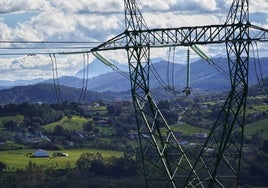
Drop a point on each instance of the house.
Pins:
(202, 105)
(60, 154)
(102, 122)
(95, 104)
(41, 153)
(200, 135)
(133, 135)
(183, 142)
(80, 135)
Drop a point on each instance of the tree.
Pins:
(114, 110)
(86, 159)
(58, 130)
(88, 126)
(96, 130)
(2, 166)
(265, 146)
(164, 105)
(84, 162)
(98, 167)
(69, 117)
(11, 125)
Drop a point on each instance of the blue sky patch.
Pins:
(12, 20)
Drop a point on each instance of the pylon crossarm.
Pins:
(184, 36)
(258, 33)
(117, 42)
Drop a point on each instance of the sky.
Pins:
(98, 21)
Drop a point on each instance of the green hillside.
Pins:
(188, 130)
(259, 128)
(74, 124)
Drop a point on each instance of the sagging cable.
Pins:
(258, 68)
(85, 78)
(56, 77)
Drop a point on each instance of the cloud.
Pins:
(6, 32)
(85, 6)
(258, 6)
(11, 6)
(197, 5)
(179, 5)
(30, 67)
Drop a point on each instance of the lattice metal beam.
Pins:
(183, 36)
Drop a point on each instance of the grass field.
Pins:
(260, 128)
(74, 124)
(188, 130)
(19, 159)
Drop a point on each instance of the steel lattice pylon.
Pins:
(221, 168)
(165, 162)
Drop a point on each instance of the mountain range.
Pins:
(202, 75)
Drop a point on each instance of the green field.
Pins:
(188, 130)
(19, 159)
(260, 128)
(74, 124)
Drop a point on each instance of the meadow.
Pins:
(189, 130)
(19, 159)
(259, 128)
(74, 124)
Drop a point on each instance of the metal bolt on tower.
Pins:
(165, 162)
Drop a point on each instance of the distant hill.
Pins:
(7, 83)
(202, 76)
(260, 88)
(96, 68)
(111, 81)
(46, 93)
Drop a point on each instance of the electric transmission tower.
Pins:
(165, 162)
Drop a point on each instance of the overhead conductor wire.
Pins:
(258, 68)
(56, 77)
(85, 78)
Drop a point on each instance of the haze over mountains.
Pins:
(202, 75)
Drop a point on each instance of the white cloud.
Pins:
(156, 5)
(29, 67)
(6, 32)
(178, 5)
(179, 20)
(26, 32)
(11, 6)
(258, 6)
(210, 5)
(53, 23)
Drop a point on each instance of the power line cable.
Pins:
(45, 47)
(49, 42)
(173, 67)
(85, 78)
(56, 77)
(44, 53)
(257, 67)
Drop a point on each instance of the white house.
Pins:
(41, 153)
(200, 135)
